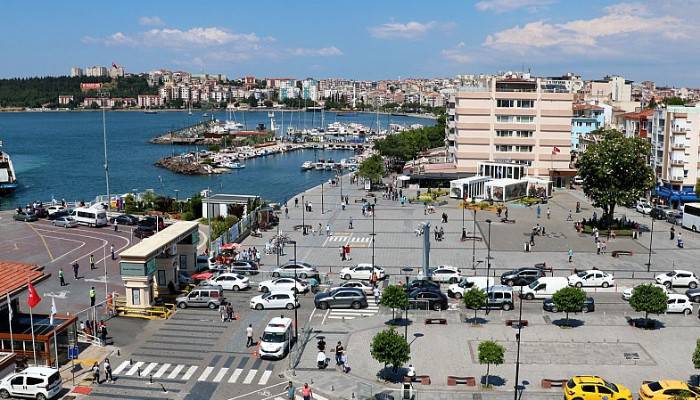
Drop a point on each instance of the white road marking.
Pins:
(58, 295)
(161, 371)
(134, 368)
(189, 373)
(175, 371)
(235, 375)
(249, 378)
(205, 374)
(325, 316)
(148, 369)
(265, 377)
(121, 367)
(220, 375)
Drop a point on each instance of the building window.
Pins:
(161, 277)
(503, 147)
(136, 297)
(505, 103)
(504, 118)
(524, 119)
(526, 103)
(524, 134)
(513, 148)
(504, 133)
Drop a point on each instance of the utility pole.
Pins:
(651, 240)
(517, 338)
(488, 263)
(373, 235)
(474, 242)
(103, 95)
(426, 249)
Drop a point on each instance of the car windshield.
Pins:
(581, 274)
(672, 273)
(654, 386)
(273, 337)
(611, 386)
(266, 296)
(533, 284)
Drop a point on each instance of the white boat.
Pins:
(307, 165)
(318, 165)
(8, 179)
(233, 165)
(233, 125)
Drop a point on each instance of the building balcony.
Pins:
(676, 179)
(678, 146)
(677, 163)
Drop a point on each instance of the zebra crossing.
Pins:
(353, 241)
(349, 313)
(257, 373)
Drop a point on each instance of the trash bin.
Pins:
(407, 391)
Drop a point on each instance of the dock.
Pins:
(192, 134)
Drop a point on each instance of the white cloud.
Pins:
(409, 30)
(176, 38)
(457, 54)
(500, 6)
(320, 52)
(151, 21)
(620, 21)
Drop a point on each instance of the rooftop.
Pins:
(229, 198)
(162, 240)
(16, 276)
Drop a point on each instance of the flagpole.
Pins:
(55, 346)
(52, 319)
(31, 321)
(10, 313)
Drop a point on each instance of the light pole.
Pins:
(517, 353)
(474, 242)
(407, 270)
(104, 139)
(303, 216)
(296, 298)
(651, 240)
(322, 198)
(488, 263)
(464, 207)
(177, 199)
(373, 235)
(209, 211)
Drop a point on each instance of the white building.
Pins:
(96, 71)
(76, 71)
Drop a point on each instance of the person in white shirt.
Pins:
(321, 360)
(411, 371)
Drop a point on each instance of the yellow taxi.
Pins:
(667, 390)
(588, 387)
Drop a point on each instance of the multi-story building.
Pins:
(116, 71)
(512, 120)
(96, 71)
(288, 90)
(76, 71)
(309, 89)
(64, 100)
(149, 100)
(586, 119)
(637, 123)
(681, 147)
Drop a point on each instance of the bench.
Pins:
(422, 379)
(438, 321)
(477, 238)
(461, 380)
(515, 322)
(618, 253)
(550, 383)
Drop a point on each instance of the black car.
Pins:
(249, 267)
(588, 305)
(58, 214)
(124, 219)
(427, 299)
(660, 212)
(422, 284)
(341, 298)
(41, 212)
(150, 223)
(521, 276)
(142, 232)
(693, 295)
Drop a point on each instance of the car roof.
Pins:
(44, 371)
(289, 292)
(580, 379)
(672, 384)
(682, 271)
(500, 288)
(676, 296)
(278, 324)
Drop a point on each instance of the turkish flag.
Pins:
(33, 299)
(555, 150)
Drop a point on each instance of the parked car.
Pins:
(152, 223)
(66, 222)
(422, 284)
(500, 296)
(668, 390)
(361, 271)
(202, 296)
(25, 216)
(521, 276)
(594, 388)
(443, 273)
(124, 219)
(588, 305)
(679, 303)
(627, 293)
(363, 285)
(643, 207)
(205, 263)
(678, 278)
(674, 217)
(427, 299)
(229, 281)
(591, 278)
(544, 287)
(659, 211)
(693, 294)
(55, 209)
(249, 267)
(143, 233)
(341, 298)
(277, 299)
(40, 212)
(578, 180)
(456, 290)
(39, 383)
(283, 284)
(58, 214)
(300, 270)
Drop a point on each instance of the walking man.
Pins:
(673, 232)
(62, 279)
(111, 249)
(571, 255)
(92, 296)
(350, 223)
(328, 229)
(376, 294)
(549, 213)
(92, 261)
(249, 335)
(96, 373)
(286, 211)
(290, 391)
(108, 371)
(539, 211)
(342, 253)
(338, 352)
(75, 269)
(296, 202)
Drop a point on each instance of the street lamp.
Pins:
(651, 240)
(322, 198)
(474, 242)
(177, 199)
(407, 270)
(303, 216)
(373, 235)
(517, 338)
(296, 298)
(488, 263)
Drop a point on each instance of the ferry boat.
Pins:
(8, 179)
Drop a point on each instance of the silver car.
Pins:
(66, 222)
(299, 270)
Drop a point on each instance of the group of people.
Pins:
(226, 312)
(391, 193)
(341, 357)
(251, 253)
(91, 328)
(96, 373)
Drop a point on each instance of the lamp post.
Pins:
(209, 211)
(303, 215)
(177, 199)
(296, 298)
(464, 207)
(373, 235)
(488, 263)
(322, 198)
(651, 240)
(517, 353)
(407, 270)
(474, 242)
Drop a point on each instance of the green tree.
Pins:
(674, 101)
(615, 171)
(490, 352)
(130, 206)
(474, 299)
(268, 103)
(389, 347)
(252, 101)
(372, 168)
(648, 299)
(696, 355)
(569, 299)
(394, 296)
(652, 103)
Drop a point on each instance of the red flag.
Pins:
(555, 150)
(33, 299)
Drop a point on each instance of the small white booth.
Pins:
(539, 187)
(506, 189)
(473, 187)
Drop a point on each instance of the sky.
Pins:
(359, 39)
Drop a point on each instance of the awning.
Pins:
(230, 246)
(403, 178)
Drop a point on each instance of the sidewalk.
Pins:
(80, 381)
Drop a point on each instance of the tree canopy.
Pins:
(569, 299)
(490, 352)
(696, 355)
(394, 296)
(648, 299)
(615, 170)
(372, 168)
(406, 145)
(389, 347)
(474, 299)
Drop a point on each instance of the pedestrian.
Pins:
(578, 207)
(532, 238)
(597, 244)
(111, 250)
(342, 253)
(568, 217)
(444, 218)
(286, 211)
(571, 255)
(108, 371)
(62, 279)
(290, 391)
(506, 211)
(249, 335)
(539, 211)
(96, 373)
(350, 223)
(346, 248)
(310, 207)
(229, 311)
(222, 311)
(338, 351)
(103, 333)
(328, 229)
(376, 294)
(425, 209)
(92, 296)
(498, 211)
(296, 202)
(344, 366)
(75, 269)
(92, 261)
(603, 246)
(672, 232)
(549, 213)
(306, 392)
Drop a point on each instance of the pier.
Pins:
(192, 134)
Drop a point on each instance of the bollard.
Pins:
(118, 353)
(150, 379)
(138, 371)
(131, 362)
(332, 388)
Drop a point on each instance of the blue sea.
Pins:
(61, 155)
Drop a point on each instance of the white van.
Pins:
(90, 216)
(39, 383)
(544, 287)
(456, 290)
(277, 338)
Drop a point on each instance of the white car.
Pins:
(283, 284)
(276, 299)
(643, 207)
(591, 278)
(677, 278)
(443, 273)
(54, 209)
(39, 383)
(627, 293)
(366, 287)
(229, 281)
(679, 303)
(578, 180)
(361, 271)
(457, 290)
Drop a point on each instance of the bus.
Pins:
(90, 216)
(691, 216)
